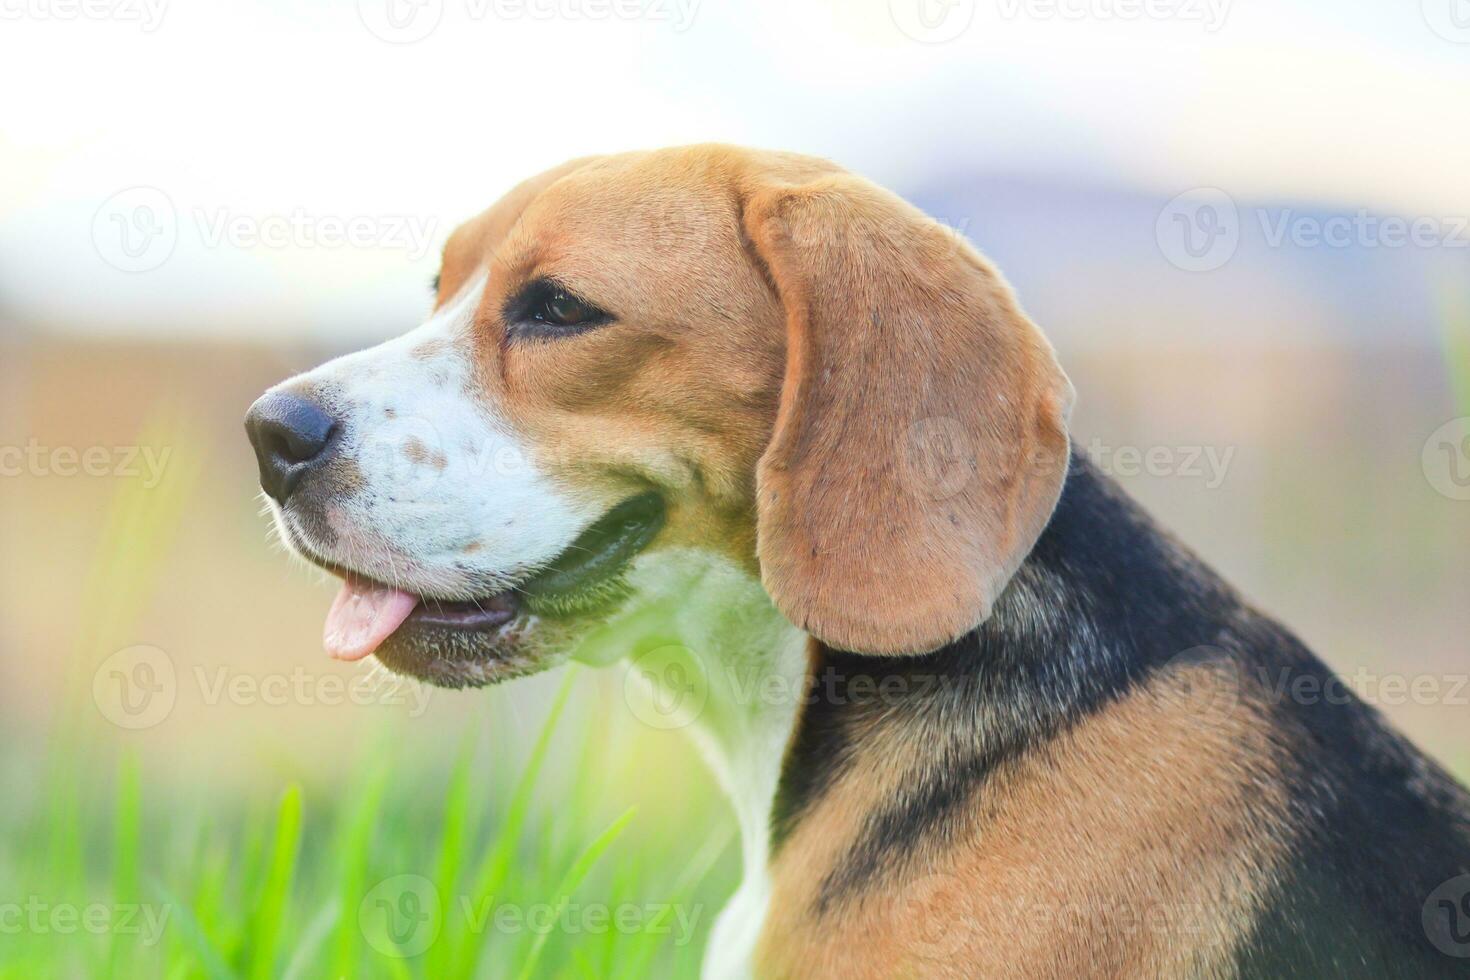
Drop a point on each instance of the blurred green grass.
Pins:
(374, 883)
(412, 871)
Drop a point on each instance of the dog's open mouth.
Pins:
(583, 578)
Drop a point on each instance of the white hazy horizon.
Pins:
(242, 168)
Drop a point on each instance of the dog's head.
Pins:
(742, 352)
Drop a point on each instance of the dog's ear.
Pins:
(921, 441)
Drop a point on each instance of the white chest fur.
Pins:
(741, 667)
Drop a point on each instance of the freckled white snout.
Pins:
(395, 469)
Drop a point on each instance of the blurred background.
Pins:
(1245, 226)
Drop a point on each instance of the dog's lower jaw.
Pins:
(753, 664)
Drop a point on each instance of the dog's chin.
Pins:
(447, 657)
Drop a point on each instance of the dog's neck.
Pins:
(720, 662)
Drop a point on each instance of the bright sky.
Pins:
(249, 139)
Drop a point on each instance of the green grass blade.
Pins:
(355, 840)
(125, 838)
(275, 895)
(685, 887)
(570, 882)
(380, 940)
(125, 846)
(496, 863)
(210, 959)
(452, 855)
(313, 938)
(211, 881)
(64, 820)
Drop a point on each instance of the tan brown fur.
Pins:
(1129, 847)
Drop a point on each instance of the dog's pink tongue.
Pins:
(362, 617)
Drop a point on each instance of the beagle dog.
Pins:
(977, 715)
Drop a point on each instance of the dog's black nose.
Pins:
(290, 435)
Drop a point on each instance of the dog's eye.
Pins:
(565, 310)
(547, 308)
